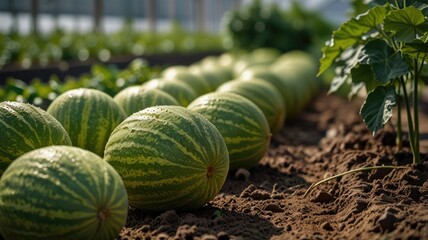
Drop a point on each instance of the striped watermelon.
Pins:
(214, 77)
(299, 68)
(287, 90)
(24, 127)
(183, 74)
(135, 98)
(181, 91)
(264, 95)
(61, 192)
(169, 158)
(89, 116)
(241, 123)
(212, 63)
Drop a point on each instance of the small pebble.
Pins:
(385, 198)
(322, 197)
(223, 236)
(360, 206)
(169, 217)
(387, 220)
(273, 208)
(247, 191)
(265, 185)
(260, 195)
(341, 226)
(208, 237)
(144, 228)
(327, 226)
(242, 174)
(162, 236)
(219, 220)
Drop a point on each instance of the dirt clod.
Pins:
(322, 197)
(387, 220)
(327, 226)
(273, 207)
(223, 236)
(242, 174)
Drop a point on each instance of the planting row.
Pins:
(43, 49)
(71, 171)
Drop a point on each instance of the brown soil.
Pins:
(267, 201)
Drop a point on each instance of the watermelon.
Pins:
(183, 74)
(212, 63)
(169, 158)
(135, 98)
(299, 68)
(264, 95)
(61, 192)
(215, 77)
(181, 91)
(241, 123)
(287, 90)
(88, 115)
(24, 127)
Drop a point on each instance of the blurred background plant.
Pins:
(258, 25)
(46, 34)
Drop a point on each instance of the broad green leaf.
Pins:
(385, 62)
(362, 73)
(358, 7)
(339, 79)
(405, 3)
(349, 34)
(398, 3)
(355, 89)
(345, 62)
(407, 24)
(416, 49)
(377, 109)
(424, 38)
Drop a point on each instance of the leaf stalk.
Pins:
(362, 169)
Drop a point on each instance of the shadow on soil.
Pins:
(207, 220)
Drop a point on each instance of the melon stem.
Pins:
(210, 171)
(103, 214)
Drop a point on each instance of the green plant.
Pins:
(106, 78)
(260, 24)
(42, 49)
(362, 169)
(383, 50)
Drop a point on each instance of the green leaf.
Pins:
(416, 50)
(385, 62)
(345, 62)
(377, 109)
(424, 38)
(340, 78)
(355, 89)
(407, 24)
(362, 73)
(349, 34)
